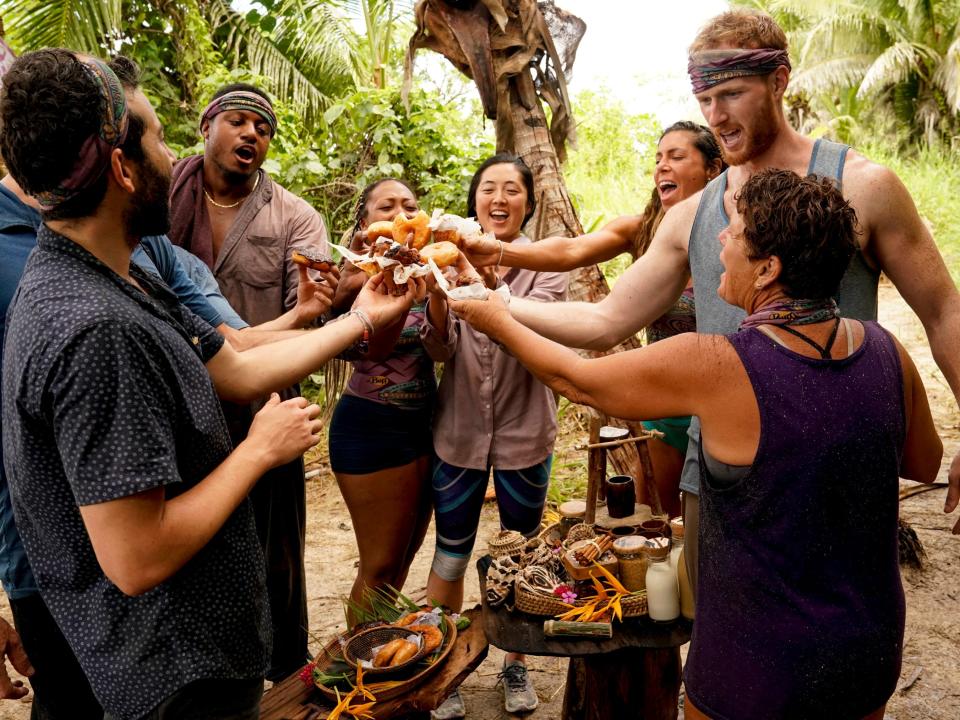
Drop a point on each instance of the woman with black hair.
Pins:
(491, 413)
(687, 158)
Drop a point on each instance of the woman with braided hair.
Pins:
(380, 442)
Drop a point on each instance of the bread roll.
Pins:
(406, 651)
(385, 655)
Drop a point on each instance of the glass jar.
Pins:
(572, 513)
(663, 597)
(632, 562)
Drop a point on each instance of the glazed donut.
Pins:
(418, 225)
(311, 259)
(432, 637)
(442, 253)
(383, 228)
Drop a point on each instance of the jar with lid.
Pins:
(572, 513)
(632, 562)
(663, 597)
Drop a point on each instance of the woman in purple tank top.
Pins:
(808, 420)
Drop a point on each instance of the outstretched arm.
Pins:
(643, 293)
(242, 377)
(652, 382)
(901, 245)
(557, 254)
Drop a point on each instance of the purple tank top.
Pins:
(800, 609)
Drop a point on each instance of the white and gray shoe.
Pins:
(450, 709)
(518, 693)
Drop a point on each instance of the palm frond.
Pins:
(86, 25)
(947, 75)
(308, 68)
(830, 74)
(893, 65)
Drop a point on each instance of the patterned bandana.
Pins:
(793, 312)
(94, 156)
(242, 100)
(712, 67)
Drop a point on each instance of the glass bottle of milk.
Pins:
(663, 597)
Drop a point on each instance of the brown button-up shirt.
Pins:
(254, 269)
(491, 411)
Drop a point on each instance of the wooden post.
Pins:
(596, 469)
(646, 466)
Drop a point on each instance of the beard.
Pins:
(149, 209)
(758, 135)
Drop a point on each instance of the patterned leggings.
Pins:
(458, 498)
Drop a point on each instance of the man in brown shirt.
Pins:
(227, 211)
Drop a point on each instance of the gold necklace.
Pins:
(227, 207)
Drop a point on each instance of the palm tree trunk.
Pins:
(555, 216)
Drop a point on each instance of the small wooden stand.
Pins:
(293, 700)
(603, 438)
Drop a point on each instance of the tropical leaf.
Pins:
(86, 25)
(894, 65)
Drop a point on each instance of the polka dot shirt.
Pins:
(105, 395)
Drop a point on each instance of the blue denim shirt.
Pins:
(18, 237)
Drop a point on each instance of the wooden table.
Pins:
(633, 675)
(293, 700)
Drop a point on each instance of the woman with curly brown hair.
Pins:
(808, 422)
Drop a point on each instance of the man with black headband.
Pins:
(228, 212)
(739, 69)
(129, 499)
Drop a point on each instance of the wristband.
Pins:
(500, 259)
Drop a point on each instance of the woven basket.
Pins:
(507, 542)
(385, 689)
(534, 603)
(551, 534)
(361, 646)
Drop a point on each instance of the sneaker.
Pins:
(450, 709)
(518, 693)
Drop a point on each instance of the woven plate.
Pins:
(361, 647)
(389, 688)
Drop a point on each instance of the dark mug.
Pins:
(621, 496)
(623, 531)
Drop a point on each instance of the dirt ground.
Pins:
(932, 649)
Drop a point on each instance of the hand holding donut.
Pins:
(380, 304)
(482, 250)
(488, 316)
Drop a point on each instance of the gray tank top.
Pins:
(857, 297)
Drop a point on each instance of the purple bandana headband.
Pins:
(242, 100)
(712, 67)
(94, 156)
